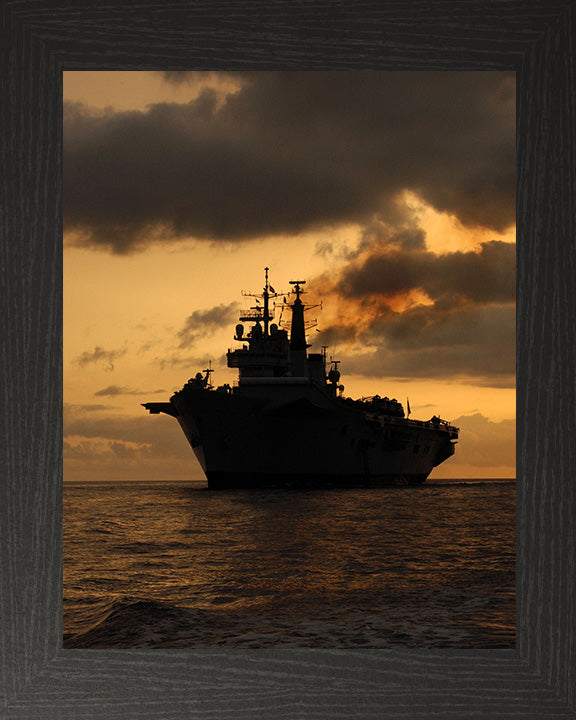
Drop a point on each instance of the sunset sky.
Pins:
(391, 193)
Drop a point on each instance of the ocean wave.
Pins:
(136, 623)
(153, 624)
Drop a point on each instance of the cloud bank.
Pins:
(484, 443)
(289, 152)
(406, 312)
(481, 277)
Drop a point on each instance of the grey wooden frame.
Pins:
(537, 39)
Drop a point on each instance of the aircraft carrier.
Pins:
(287, 421)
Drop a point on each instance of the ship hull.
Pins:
(299, 437)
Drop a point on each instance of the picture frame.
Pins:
(40, 679)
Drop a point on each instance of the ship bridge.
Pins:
(266, 349)
(272, 349)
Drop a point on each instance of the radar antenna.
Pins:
(297, 289)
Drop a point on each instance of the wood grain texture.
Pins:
(39, 679)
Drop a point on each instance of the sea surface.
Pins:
(174, 565)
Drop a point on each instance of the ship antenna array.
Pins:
(298, 290)
(208, 372)
(262, 313)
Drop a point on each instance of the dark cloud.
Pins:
(468, 343)
(475, 364)
(427, 327)
(485, 276)
(205, 322)
(466, 331)
(113, 390)
(292, 151)
(337, 334)
(98, 355)
(378, 234)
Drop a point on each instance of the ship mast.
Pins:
(261, 314)
(297, 333)
(266, 303)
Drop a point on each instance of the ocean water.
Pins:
(175, 565)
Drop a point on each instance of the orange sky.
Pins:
(126, 308)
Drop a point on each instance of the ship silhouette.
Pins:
(287, 421)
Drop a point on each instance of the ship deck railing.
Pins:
(391, 420)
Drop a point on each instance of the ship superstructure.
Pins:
(287, 421)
